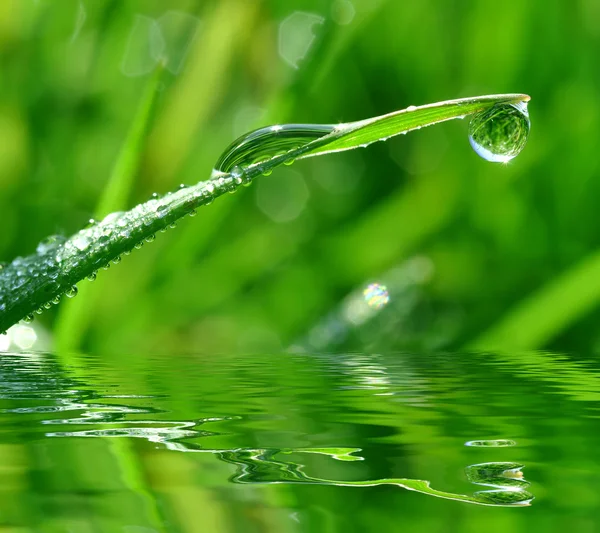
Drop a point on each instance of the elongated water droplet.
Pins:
(500, 133)
(265, 143)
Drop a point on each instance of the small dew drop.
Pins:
(155, 196)
(150, 238)
(193, 213)
(289, 162)
(161, 210)
(72, 292)
(28, 319)
(173, 225)
(238, 175)
(39, 310)
(116, 260)
(138, 245)
(56, 300)
(92, 276)
(500, 133)
(267, 172)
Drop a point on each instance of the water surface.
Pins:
(280, 442)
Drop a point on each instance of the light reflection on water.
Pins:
(454, 427)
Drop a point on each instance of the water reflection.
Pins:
(42, 401)
(264, 466)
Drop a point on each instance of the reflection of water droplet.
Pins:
(376, 295)
(499, 443)
(500, 133)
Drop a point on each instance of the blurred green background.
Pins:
(472, 253)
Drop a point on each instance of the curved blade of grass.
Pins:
(364, 132)
(30, 284)
(544, 314)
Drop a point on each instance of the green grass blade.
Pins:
(539, 318)
(33, 283)
(74, 319)
(364, 132)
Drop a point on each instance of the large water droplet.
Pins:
(500, 133)
(263, 144)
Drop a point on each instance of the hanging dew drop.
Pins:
(28, 319)
(72, 292)
(500, 133)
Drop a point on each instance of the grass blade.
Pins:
(33, 283)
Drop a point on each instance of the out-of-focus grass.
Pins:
(238, 277)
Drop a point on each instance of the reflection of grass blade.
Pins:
(261, 466)
(74, 319)
(31, 283)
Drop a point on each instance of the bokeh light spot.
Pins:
(296, 36)
(342, 12)
(376, 295)
(284, 197)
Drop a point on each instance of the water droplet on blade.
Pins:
(72, 292)
(500, 133)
